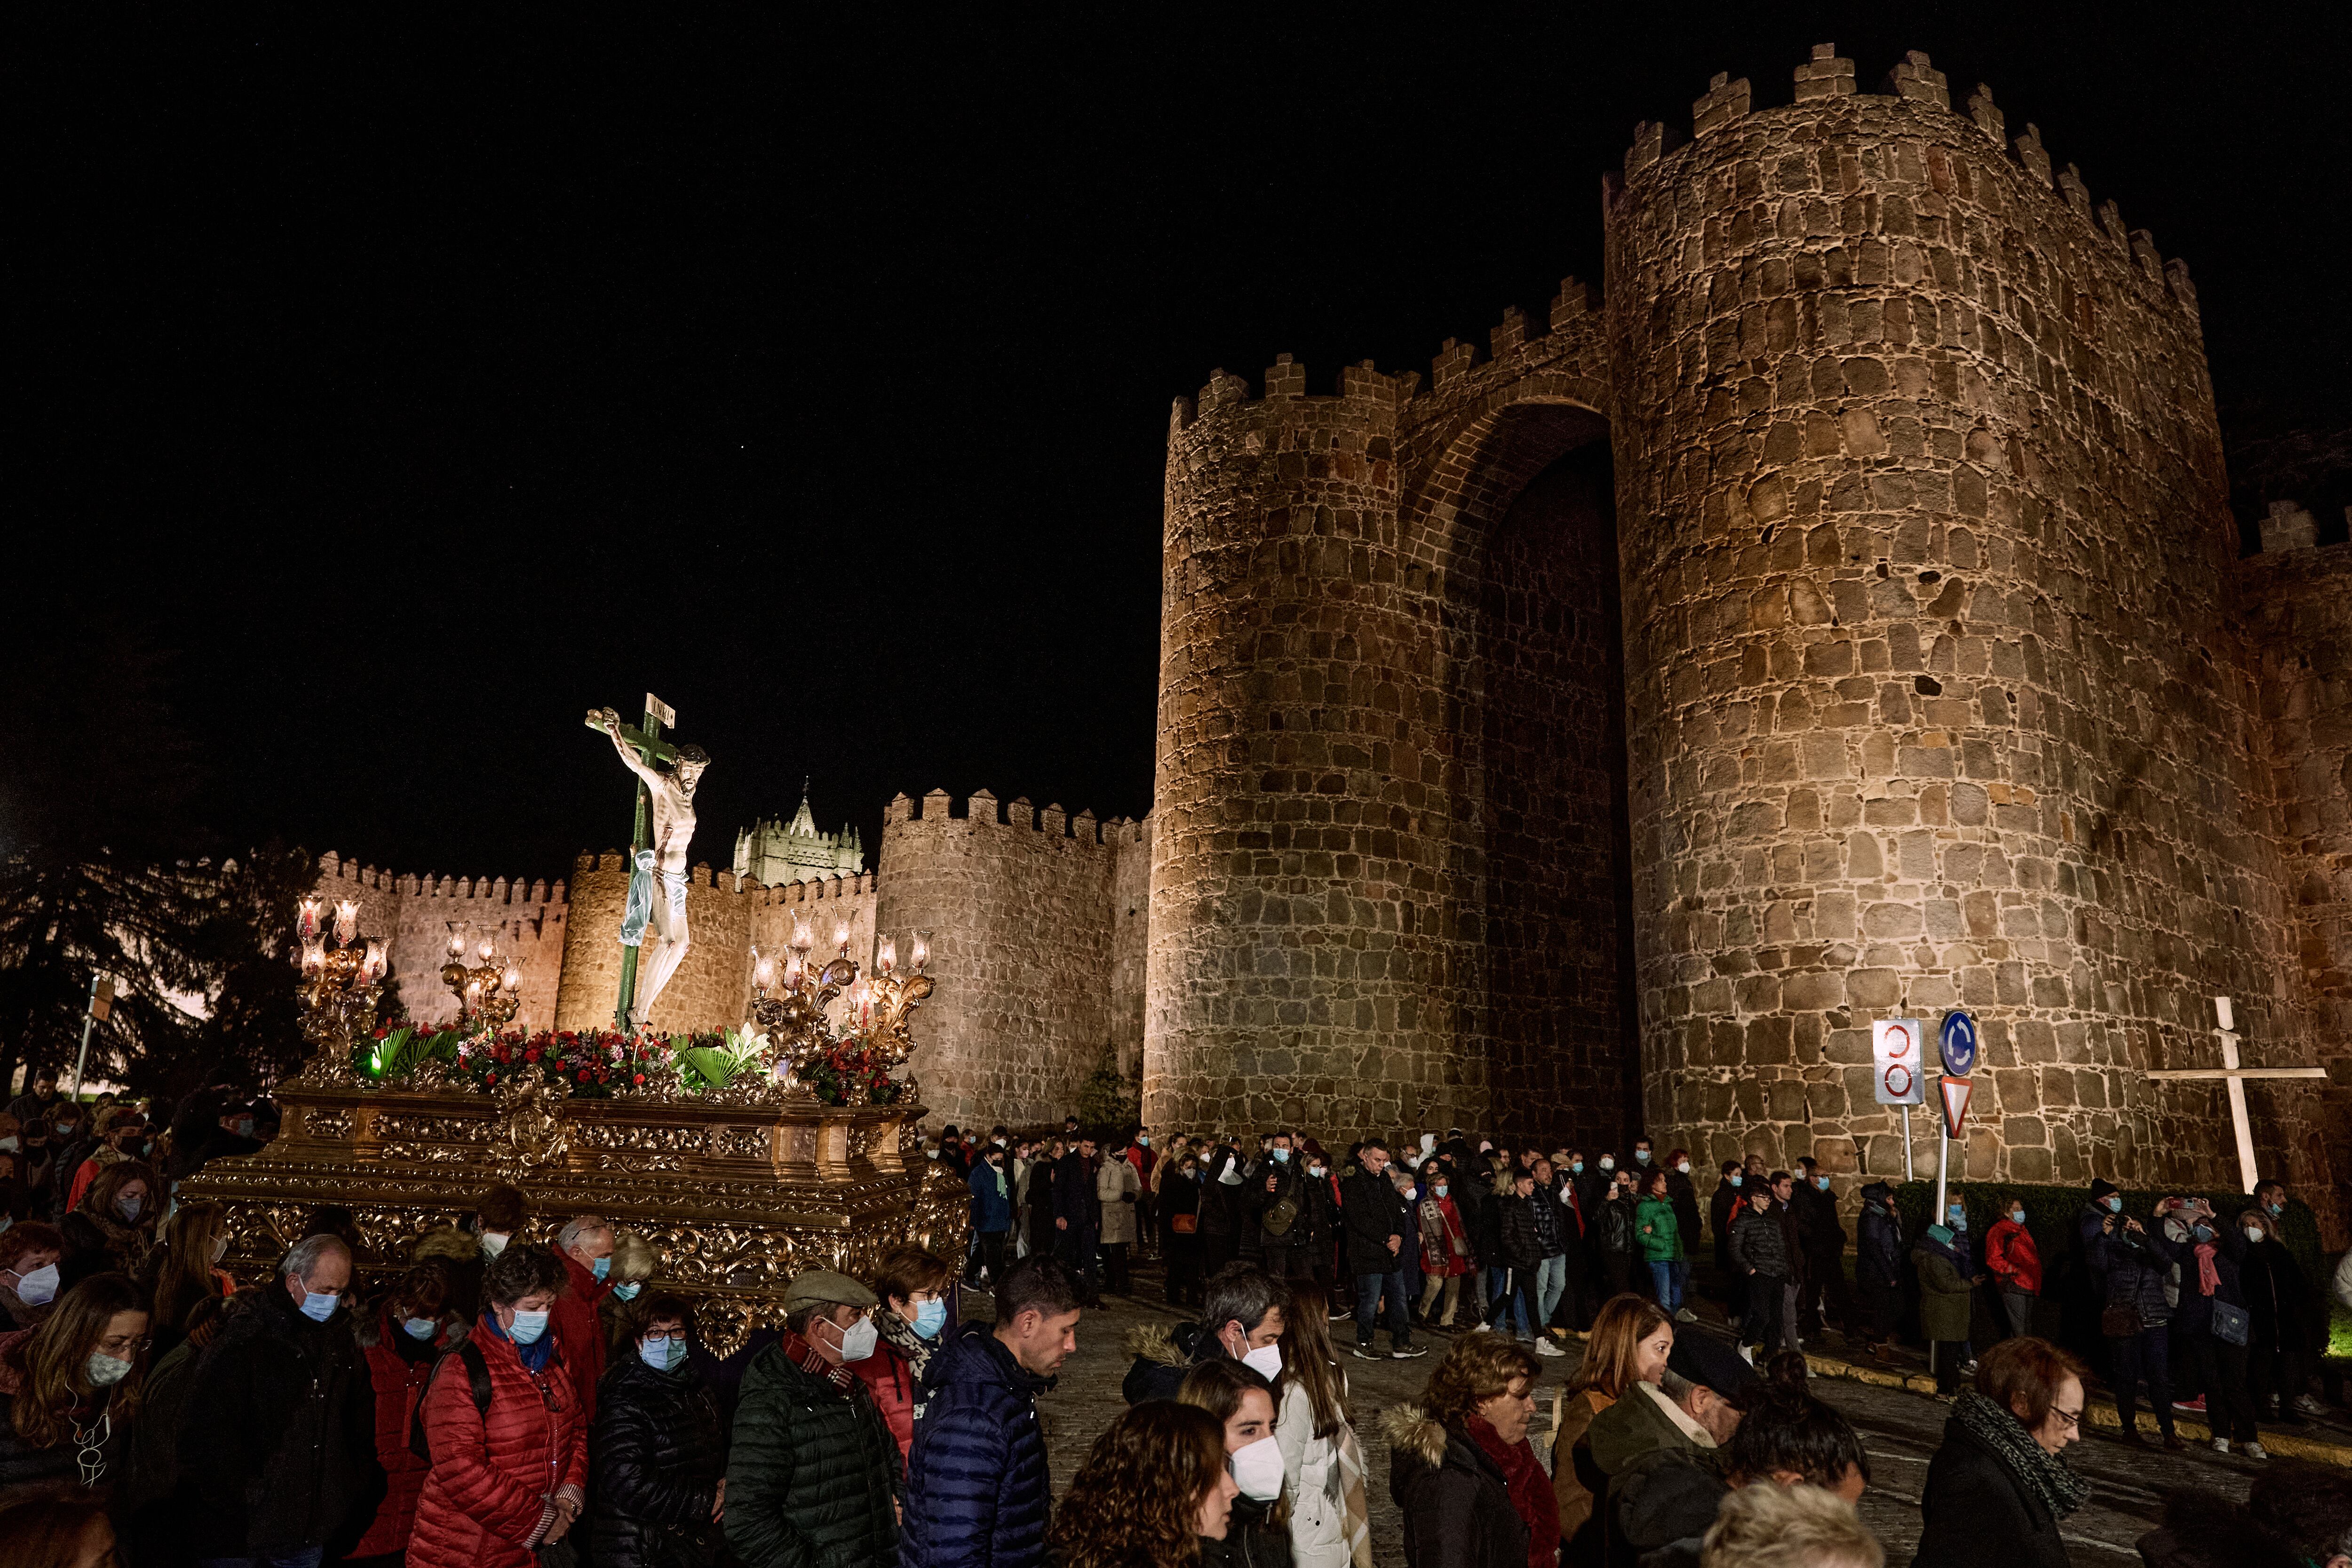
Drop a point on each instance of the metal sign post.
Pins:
(1897, 1079)
(100, 1005)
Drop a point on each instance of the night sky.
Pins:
(387, 398)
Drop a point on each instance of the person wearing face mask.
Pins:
(659, 1454)
(1723, 1207)
(1156, 1488)
(2209, 1326)
(1878, 1253)
(501, 1214)
(1446, 1256)
(910, 1286)
(1946, 1280)
(991, 1182)
(2284, 1318)
(1460, 1469)
(621, 1314)
(2132, 1261)
(185, 1268)
(508, 1440)
(1823, 1300)
(125, 1138)
(1179, 1224)
(585, 1246)
(1077, 1214)
(399, 1340)
(1242, 1319)
(29, 1255)
(278, 1446)
(2016, 1266)
(813, 1474)
(1257, 1534)
(1119, 1192)
(66, 1387)
(114, 1226)
(1277, 1211)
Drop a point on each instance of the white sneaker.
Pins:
(2308, 1406)
(2221, 1444)
(1480, 1328)
(2255, 1451)
(1684, 1315)
(1545, 1347)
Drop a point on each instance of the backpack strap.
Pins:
(477, 1378)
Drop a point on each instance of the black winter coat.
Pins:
(1250, 1542)
(1522, 1248)
(1289, 1182)
(1878, 1250)
(1683, 1194)
(1075, 1198)
(657, 1456)
(1758, 1243)
(811, 1472)
(1722, 1208)
(2195, 1313)
(2134, 1266)
(1373, 1211)
(2277, 1298)
(1978, 1511)
(1817, 1222)
(1457, 1512)
(277, 1444)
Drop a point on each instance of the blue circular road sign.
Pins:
(1958, 1044)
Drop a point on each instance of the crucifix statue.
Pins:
(2235, 1076)
(657, 898)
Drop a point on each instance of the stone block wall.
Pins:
(529, 922)
(1936, 697)
(2297, 606)
(1026, 945)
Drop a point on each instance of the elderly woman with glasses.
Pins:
(1999, 1488)
(67, 1387)
(660, 1456)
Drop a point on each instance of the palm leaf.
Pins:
(715, 1069)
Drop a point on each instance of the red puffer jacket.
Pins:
(577, 1328)
(890, 1379)
(399, 1383)
(2010, 1254)
(492, 1473)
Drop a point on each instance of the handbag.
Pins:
(2122, 1323)
(2231, 1325)
(1184, 1224)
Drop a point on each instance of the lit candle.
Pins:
(511, 981)
(306, 920)
(483, 948)
(373, 968)
(763, 971)
(456, 942)
(473, 994)
(347, 921)
(793, 969)
(923, 951)
(841, 935)
(885, 957)
(314, 957)
(804, 939)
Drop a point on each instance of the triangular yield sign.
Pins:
(1954, 1092)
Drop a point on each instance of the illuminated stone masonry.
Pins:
(1922, 680)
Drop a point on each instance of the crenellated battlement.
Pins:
(336, 873)
(982, 809)
(1828, 76)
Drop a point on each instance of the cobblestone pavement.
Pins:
(1899, 1429)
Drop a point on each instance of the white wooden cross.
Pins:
(2235, 1077)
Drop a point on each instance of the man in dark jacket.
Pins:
(1377, 1221)
(1723, 1207)
(277, 1440)
(1521, 1251)
(977, 1484)
(2132, 1261)
(1242, 1319)
(659, 1453)
(1825, 1298)
(1878, 1266)
(1761, 1251)
(1077, 1214)
(1277, 1206)
(813, 1474)
(1612, 1220)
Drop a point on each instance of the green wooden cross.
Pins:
(650, 749)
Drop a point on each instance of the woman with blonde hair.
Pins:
(1322, 1463)
(69, 1388)
(1766, 1526)
(109, 1231)
(1631, 1337)
(1460, 1466)
(1154, 1490)
(185, 1268)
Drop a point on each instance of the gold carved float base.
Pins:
(736, 1198)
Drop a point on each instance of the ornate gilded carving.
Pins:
(531, 1115)
(742, 1142)
(321, 1123)
(390, 1125)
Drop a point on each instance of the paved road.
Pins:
(1900, 1430)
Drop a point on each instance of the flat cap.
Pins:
(823, 1287)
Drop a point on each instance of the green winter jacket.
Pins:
(1943, 1291)
(813, 1475)
(1657, 1231)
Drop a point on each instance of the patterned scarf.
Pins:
(1350, 1473)
(803, 1355)
(900, 1336)
(2045, 1475)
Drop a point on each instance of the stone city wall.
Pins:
(2297, 604)
(417, 913)
(1935, 696)
(1021, 909)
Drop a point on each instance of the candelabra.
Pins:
(795, 1021)
(340, 984)
(489, 992)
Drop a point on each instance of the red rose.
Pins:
(492, 1079)
(639, 1078)
(382, 1033)
(498, 1052)
(584, 1077)
(531, 1053)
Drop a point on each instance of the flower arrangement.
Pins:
(850, 1062)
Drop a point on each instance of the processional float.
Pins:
(743, 1157)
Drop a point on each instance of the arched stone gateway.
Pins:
(1836, 623)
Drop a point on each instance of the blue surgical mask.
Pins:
(1576, 1167)
(931, 1318)
(1282, 1156)
(2202, 1232)
(1957, 1217)
(627, 1291)
(1642, 1155)
(2115, 1203)
(601, 1267)
(2276, 1209)
(129, 1208)
(419, 1328)
(528, 1327)
(1823, 1183)
(2017, 1217)
(662, 1354)
(1735, 1178)
(319, 1305)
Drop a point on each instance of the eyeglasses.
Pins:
(664, 1339)
(2071, 1417)
(123, 1345)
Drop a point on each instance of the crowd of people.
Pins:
(502, 1401)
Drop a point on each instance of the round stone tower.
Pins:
(1304, 964)
(1933, 697)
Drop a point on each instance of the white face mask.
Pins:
(493, 1243)
(39, 1288)
(858, 1339)
(2253, 1233)
(1266, 1360)
(1684, 1167)
(1257, 1470)
(1608, 1162)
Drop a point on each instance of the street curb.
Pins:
(2102, 1411)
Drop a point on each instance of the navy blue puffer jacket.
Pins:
(976, 1480)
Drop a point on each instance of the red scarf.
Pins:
(2209, 1279)
(1532, 1498)
(805, 1356)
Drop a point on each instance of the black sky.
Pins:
(406, 390)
